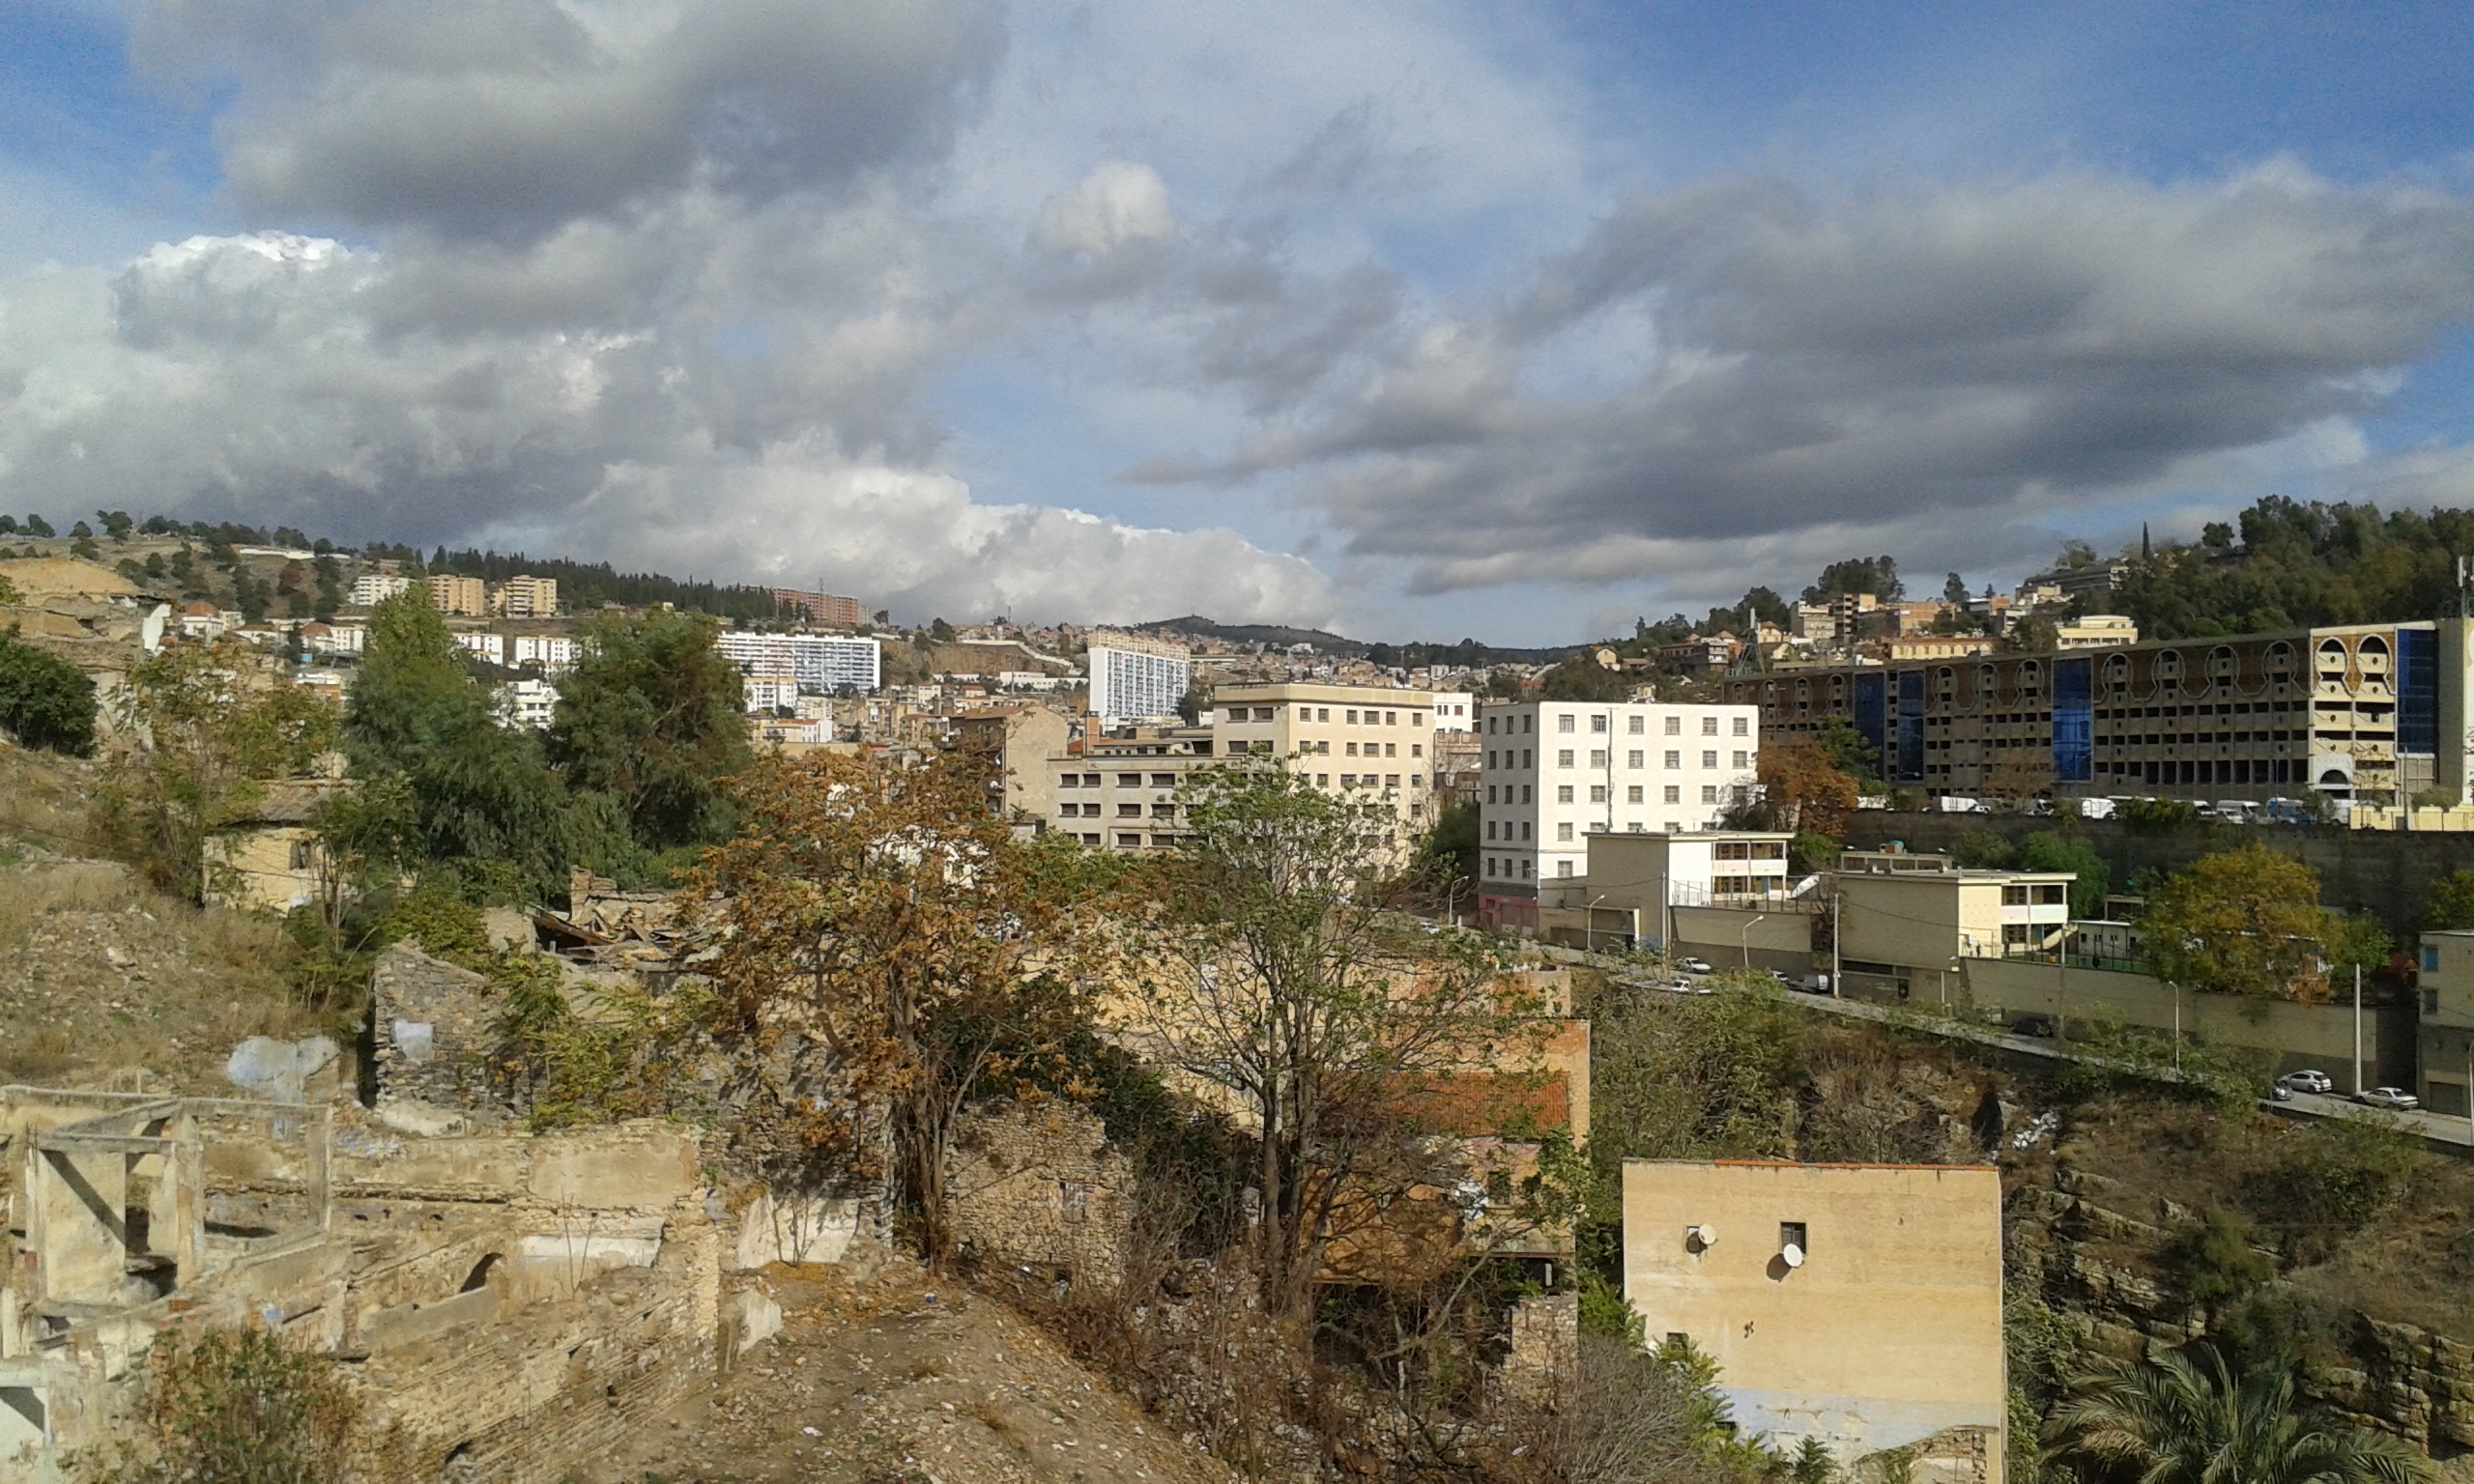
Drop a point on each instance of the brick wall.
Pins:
(434, 1027)
(1040, 1185)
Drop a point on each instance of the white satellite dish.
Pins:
(1793, 1254)
(1703, 1235)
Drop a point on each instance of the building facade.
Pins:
(466, 597)
(1010, 748)
(1136, 679)
(1856, 1305)
(1351, 739)
(2356, 712)
(371, 588)
(1120, 792)
(526, 597)
(1456, 711)
(824, 609)
(818, 662)
(1556, 771)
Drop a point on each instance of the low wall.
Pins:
(1040, 1185)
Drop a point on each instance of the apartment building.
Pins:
(1010, 747)
(1908, 921)
(2445, 1039)
(371, 588)
(465, 597)
(767, 694)
(1136, 679)
(553, 654)
(1556, 771)
(1721, 894)
(488, 646)
(1456, 711)
(818, 662)
(1120, 792)
(824, 609)
(526, 597)
(2356, 712)
(526, 702)
(1352, 739)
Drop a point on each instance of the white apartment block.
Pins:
(1554, 771)
(1350, 738)
(489, 646)
(818, 662)
(555, 654)
(526, 702)
(1138, 679)
(1456, 711)
(371, 588)
(767, 693)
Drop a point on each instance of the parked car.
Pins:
(1692, 966)
(2307, 1081)
(2043, 1026)
(2395, 1099)
(1682, 986)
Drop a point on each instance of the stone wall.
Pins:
(434, 1026)
(1039, 1185)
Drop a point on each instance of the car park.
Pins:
(2394, 1099)
(2307, 1081)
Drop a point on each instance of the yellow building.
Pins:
(460, 596)
(526, 597)
(1859, 1304)
(269, 859)
(1907, 921)
(1351, 739)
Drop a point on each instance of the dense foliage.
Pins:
(2285, 563)
(45, 701)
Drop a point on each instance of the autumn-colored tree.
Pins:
(2242, 922)
(1271, 976)
(1803, 790)
(884, 950)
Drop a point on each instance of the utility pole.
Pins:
(2357, 1028)
(1837, 910)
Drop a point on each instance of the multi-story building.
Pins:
(768, 694)
(553, 654)
(1011, 745)
(820, 662)
(2445, 1043)
(526, 597)
(489, 646)
(1456, 711)
(2356, 712)
(1120, 792)
(1136, 679)
(371, 588)
(1907, 921)
(1555, 771)
(526, 702)
(824, 609)
(1352, 739)
(458, 596)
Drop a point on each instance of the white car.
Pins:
(2395, 1099)
(2307, 1081)
(1694, 965)
(1680, 986)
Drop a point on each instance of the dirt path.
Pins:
(901, 1379)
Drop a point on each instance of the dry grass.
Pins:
(42, 801)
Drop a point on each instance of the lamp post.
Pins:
(1743, 939)
(1589, 928)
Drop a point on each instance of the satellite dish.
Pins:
(1793, 1254)
(1703, 1235)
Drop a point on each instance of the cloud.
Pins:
(507, 118)
(1118, 203)
(1871, 359)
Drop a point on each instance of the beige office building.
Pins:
(1351, 739)
(1859, 1304)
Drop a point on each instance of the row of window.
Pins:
(1639, 725)
(1597, 758)
(1348, 715)
(1124, 811)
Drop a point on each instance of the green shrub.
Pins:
(45, 701)
(2216, 1263)
(2326, 1183)
(241, 1407)
(2157, 816)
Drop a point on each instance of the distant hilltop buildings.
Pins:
(824, 609)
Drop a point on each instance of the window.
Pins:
(1491, 793)
(1391, 780)
(1416, 717)
(1743, 760)
(1528, 868)
(1417, 749)
(1390, 749)
(1673, 794)
(1352, 748)
(1675, 726)
(1490, 865)
(1563, 832)
(1128, 780)
(1632, 795)
(300, 850)
(1390, 718)
(1527, 724)
(2431, 957)
(1490, 829)
(1524, 793)
(2014, 896)
(1526, 758)
(1129, 841)
(1236, 713)
(1597, 724)
(1490, 723)
(1598, 794)
(1632, 758)
(1322, 713)
(1322, 779)
(1163, 780)
(1744, 725)
(1563, 757)
(1163, 811)
(1709, 726)
(1091, 840)
(1791, 1234)
(1709, 793)
(1563, 793)
(1675, 759)
(1563, 867)
(1348, 779)
(1262, 713)
(1564, 723)
(1638, 722)
(1524, 829)
(1598, 757)
(1709, 759)
(1490, 762)
(1129, 811)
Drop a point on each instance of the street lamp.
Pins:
(1589, 927)
(1743, 940)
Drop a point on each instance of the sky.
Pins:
(1416, 321)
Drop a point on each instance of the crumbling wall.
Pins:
(434, 1029)
(1040, 1185)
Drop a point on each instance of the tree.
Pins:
(45, 701)
(1954, 591)
(885, 951)
(81, 532)
(653, 718)
(2046, 850)
(1582, 678)
(2032, 634)
(2180, 1418)
(2449, 905)
(1803, 789)
(39, 528)
(2242, 922)
(1446, 859)
(1273, 976)
(1876, 575)
(215, 726)
(116, 524)
(1849, 752)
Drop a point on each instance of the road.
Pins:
(2439, 1128)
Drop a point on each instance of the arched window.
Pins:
(480, 1276)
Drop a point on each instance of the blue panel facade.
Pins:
(1910, 726)
(2417, 691)
(2073, 721)
(1871, 707)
